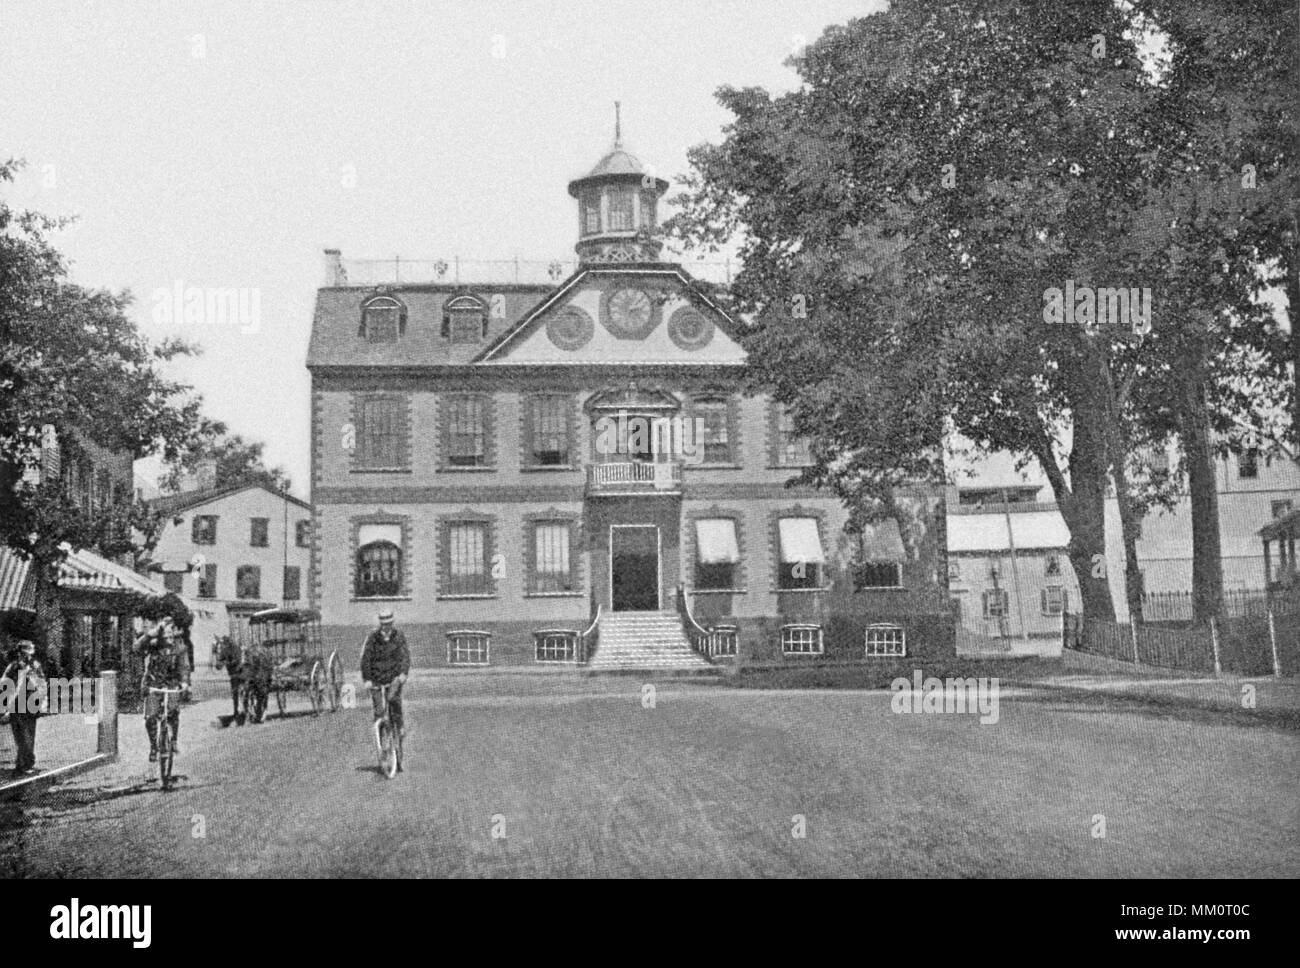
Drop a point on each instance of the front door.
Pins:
(634, 567)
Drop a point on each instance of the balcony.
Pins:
(612, 479)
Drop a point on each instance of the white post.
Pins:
(1272, 641)
(1133, 632)
(106, 702)
(1214, 642)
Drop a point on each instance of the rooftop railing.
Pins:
(458, 271)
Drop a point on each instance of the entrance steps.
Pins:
(645, 641)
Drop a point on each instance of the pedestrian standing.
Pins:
(27, 676)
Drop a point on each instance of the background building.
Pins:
(509, 458)
(245, 546)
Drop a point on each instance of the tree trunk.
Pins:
(1085, 510)
(1130, 526)
(1207, 559)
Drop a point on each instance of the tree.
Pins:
(72, 367)
(938, 176)
(236, 461)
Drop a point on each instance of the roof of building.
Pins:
(1287, 526)
(87, 570)
(336, 339)
(176, 503)
(17, 582)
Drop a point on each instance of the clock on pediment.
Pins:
(629, 312)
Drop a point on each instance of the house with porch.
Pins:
(568, 471)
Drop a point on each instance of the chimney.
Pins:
(335, 274)
(205, 474)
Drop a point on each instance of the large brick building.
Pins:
(507, 458)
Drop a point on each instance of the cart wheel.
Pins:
(280, 700)
(316, 686)
(336, 682)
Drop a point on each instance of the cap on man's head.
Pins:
(26, 645)
(386, 616)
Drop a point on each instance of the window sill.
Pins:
(477, 598)
(554, 594)
(379, 470)
(788, 467)
(727, 466)
(449, 469)
(542, 468)
(799, 591)
(881, 588)
(717, 591)
(801, 655)
(381, 598)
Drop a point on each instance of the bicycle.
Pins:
(388, 739)
(165, 736)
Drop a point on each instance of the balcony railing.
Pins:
(635, 477)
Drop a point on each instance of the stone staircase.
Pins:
(649, 641)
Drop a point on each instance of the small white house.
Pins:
(247, 546)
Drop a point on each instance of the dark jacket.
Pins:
(382, 662)
(165, 669)
(21, 673)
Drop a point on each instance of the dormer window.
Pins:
(464, 320)
(383, 319)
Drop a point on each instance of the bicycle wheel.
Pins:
(166, 753)
(388, 750)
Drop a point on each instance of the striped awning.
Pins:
(17, 582)
(87, 570)
(800, 541)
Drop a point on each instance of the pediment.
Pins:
(622, 315)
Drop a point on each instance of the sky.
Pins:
(225, 145)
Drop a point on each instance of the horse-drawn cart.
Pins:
(285, 656)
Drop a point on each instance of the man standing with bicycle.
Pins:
(385, 663)
(166, 666)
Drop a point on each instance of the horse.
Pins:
(231, 658)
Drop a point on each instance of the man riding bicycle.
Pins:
(166, 666)
(385, 663)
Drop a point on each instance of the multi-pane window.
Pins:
(885, 639)
(716, 442)
(549, 431)
(590, 216)
(880, 574)
(791, 449)
(174, 581)
(258, 532)
(208, 582)
(302, 534)
(1248, 464)
(801, 556)
(382, 320)
(717, 554)
(292, 583)
(379, 570)
(801, 639)
(995, 603)
(1053, 600)
(1053, 567)
(620, 211)
(464, 320)
(469, 647)
(552, 566)
(203, 530)
(466, 436)
(1279, 508)
(381, 437)
(248, 582)
(467, 564)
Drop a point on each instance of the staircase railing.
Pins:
(590, 637)
(707, 643)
